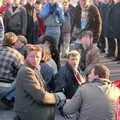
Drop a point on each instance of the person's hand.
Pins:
(63, 114)
(61, 99)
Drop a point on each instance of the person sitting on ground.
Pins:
(10, 62)
(48, 68)
(33, 101)
(96, 99)
(89, 52)
(68, 77)
(50, 42)
(10, 59)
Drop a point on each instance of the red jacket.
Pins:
(3, 9)
(42, 27)
(117, 83)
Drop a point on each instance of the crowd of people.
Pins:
(35, 35)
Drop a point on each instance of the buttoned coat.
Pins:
(16, 21)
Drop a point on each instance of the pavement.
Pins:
(115, 75)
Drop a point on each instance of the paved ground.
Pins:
(115, 74)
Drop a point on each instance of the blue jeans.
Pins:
(7, 90)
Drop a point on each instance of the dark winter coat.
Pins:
(94, 23)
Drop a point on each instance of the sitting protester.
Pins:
(33, 101)
(95, 100)
(10, 62)
(89, 52)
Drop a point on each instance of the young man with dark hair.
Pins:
(96, 99)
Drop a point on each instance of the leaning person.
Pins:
(32, 101)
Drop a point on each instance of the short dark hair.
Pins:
(22, 39)
(50, 39)
(86, 33)
(102, 71)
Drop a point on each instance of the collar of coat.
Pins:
(18, 9)
(101, 81)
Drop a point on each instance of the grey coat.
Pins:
(93, 101)
(30, 90)
(16, 21)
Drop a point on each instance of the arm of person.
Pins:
(73, 105)
(49, 98)
(60, 13)
(33, 87)
(44, 11)
(60, 80)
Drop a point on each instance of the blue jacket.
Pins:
(49, 9)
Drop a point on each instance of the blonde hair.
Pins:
(74, 53)
(30, 48)
(46, 54)
(10, 39)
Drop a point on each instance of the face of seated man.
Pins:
(74, 61)
(34, 58)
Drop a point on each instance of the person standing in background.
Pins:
(16, 18)
(53, 15)
(30, 20)
(65, 30)
(88, 18)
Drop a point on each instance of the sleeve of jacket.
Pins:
(24, 20)
(60, 13)
(1, 30)
(60, 80)
(45, 11)
(92, 56)
(31, 85)
(73, 105)
(95, 21)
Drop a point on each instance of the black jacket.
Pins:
(65, 81)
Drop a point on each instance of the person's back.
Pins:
(10, 59)
(10, 63)
(96, 99)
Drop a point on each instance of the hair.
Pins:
(86, 33)
(46, 54)
(22, 39)
(50, 39)
(102, 71)
(66, 1)
(10, 39)
(39, 1)
(30, 48)
(73, 53)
